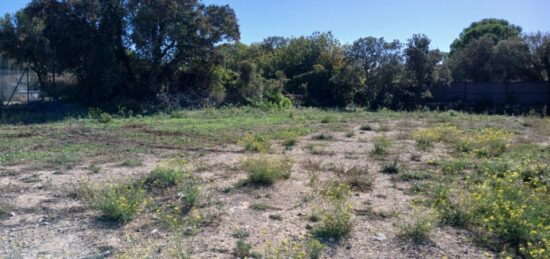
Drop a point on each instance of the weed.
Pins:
(289, 143)
(383, 127)
(391, 167)
(131, 163)
(414, 176)
(240, 233)
(99, 115)
(262, 207)
(255, 143)
(366, 127)
(336, 221)
(381, 145)
(243, 249)
(350, 134)
(314, 248)
(118, 202)
(358, 177)
(417, 231)
(5, 209)
(323, 136)
(188, 193)
(95, 169)
(326, 119)
(277, 217)
(162, 178)
(266, 171)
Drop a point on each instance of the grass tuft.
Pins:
(265, 171)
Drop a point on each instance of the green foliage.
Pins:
(117, 202)
(495, 29)
(381, 145)
(100, 116)
(336, 221)
(255, 143)
(243, 249)
(162, 178)
(266, 171)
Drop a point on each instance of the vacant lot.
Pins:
(300, 183)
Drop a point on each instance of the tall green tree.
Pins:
(490, 28)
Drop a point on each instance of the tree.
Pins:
(493, 29)
(472, 62)
(539, 47)
(511, 61)
(421, 61)
(371, 53)
(170, 33)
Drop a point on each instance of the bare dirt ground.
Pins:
(48, 220)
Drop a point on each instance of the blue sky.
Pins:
(441, 20)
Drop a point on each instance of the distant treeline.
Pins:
(186, 53)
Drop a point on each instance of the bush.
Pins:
(266, 171)
(117, 202)
(162, 178)
(99, 115)
(255, 143)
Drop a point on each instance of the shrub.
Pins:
(255, 143)
(266, 171)
(391, 167)
(381, 145)
(162, 178)
(117, 202)
(99, 115)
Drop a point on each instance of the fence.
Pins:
(517, 93)
(16, 84)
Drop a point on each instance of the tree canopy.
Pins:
(186, 53)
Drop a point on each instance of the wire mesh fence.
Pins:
(17, 83)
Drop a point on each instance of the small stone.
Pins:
(380, 237)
